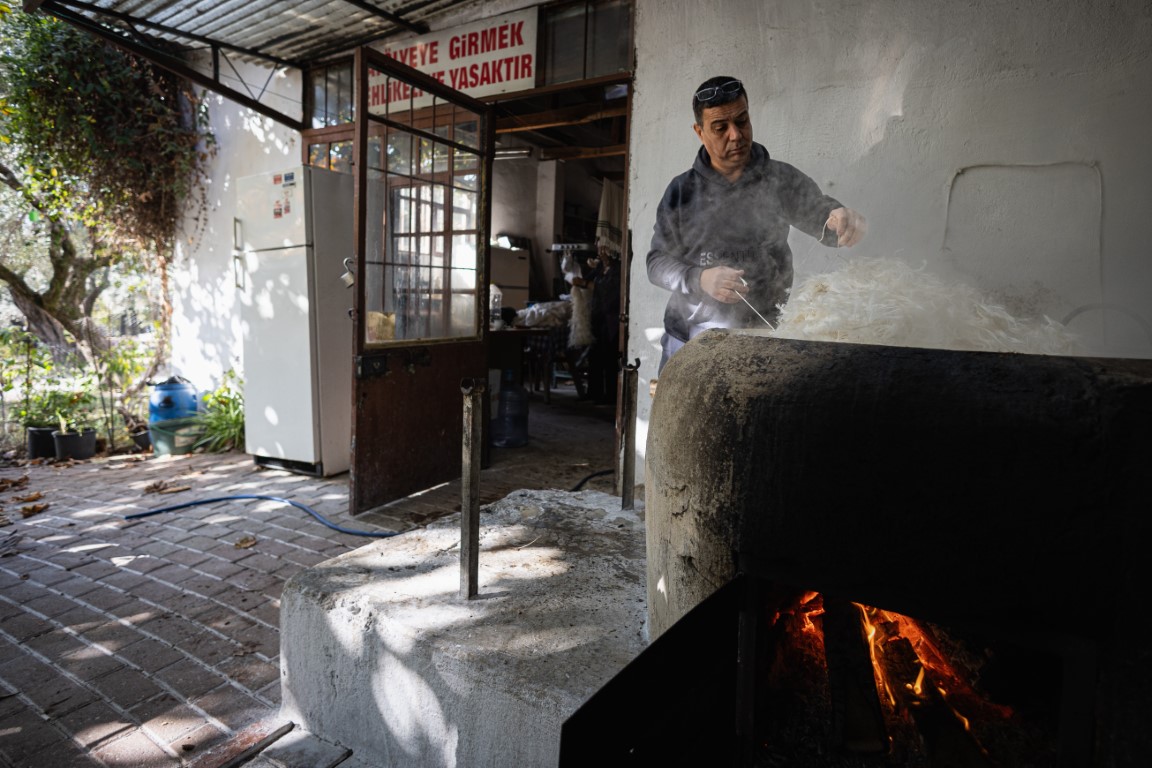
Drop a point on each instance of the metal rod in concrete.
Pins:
(473, 441)
(627, 459)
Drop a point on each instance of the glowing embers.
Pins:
(855, 686)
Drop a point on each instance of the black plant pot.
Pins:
(40, 443)
(75, 445)
(143, 440)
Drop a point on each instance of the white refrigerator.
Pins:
(292, 233)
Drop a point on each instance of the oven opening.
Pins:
(837, 682)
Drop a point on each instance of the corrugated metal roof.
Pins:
(296, 33)
(300, 33)
(199, 39)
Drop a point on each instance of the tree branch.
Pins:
(16, 282)
(13, 182)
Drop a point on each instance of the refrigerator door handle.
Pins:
(238, 253)
(238, 271)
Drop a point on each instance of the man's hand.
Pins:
(723, 284)
(849, 226)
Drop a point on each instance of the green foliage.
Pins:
(68, 406)
(41, 407)
(223, 417)
(103, 137)
(38, 391)
(116, 369)
(11, 349)
(73, 421)
(42, 390)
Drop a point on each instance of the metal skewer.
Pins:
(770, 326)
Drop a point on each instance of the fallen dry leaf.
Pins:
(245, 542)
(246, 649)
(156, 487)
(10, 484)
(175, 489)
(32, 509)
(34, 496)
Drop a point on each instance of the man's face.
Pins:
(726, 132)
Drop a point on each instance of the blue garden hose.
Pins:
(298, 505)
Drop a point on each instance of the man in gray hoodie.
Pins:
(720, 243)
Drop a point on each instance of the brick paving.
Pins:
(146, 643)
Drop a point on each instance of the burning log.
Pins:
(945, 733)
(857, 718)
(793, 683)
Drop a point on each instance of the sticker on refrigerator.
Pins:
(290, 179)
(277, 210)
(277, 179)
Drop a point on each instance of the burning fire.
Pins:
(916, 677)
(809, 611)
(892, 685)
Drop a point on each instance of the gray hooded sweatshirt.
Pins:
(704, 221)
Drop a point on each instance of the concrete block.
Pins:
(381, 655)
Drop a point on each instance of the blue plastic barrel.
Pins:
(175, 398)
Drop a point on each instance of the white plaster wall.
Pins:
(885, 102)
(206, 334)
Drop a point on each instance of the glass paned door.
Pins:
(423, 193)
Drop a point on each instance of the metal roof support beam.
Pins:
(173, 65)
(583, 153)
(419, 28)
(558, 118)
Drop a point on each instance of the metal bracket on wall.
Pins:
(372, 366)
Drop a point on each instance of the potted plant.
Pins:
(40, 420)
(44, 393)
(137, 430)
(74, 440)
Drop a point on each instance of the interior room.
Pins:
(557, 201)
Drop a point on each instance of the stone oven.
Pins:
(999, 501)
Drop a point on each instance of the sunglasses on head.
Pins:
(728, 88)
